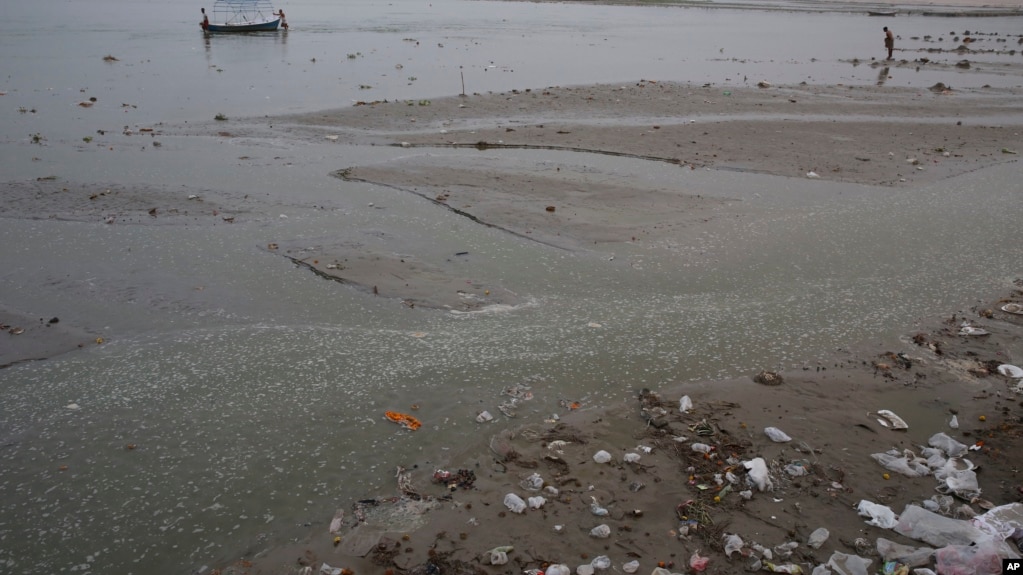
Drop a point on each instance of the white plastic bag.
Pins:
(849, 564)
(818, 537)
(630, 567)
(757, 472)
(880, 515)
(600, 532)
(733, 543)
(951, 447)
(776, 435)
(602, 456)
(558, 569)
(685, 404)
(536, 502)
(515, 503)
(937, 530)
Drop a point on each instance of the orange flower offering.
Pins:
(403, 419)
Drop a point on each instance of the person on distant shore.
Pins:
(889, 41)
(284, 23)
(205, 24)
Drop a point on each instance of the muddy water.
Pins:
(252, 390)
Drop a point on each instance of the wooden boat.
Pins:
(243, 16)
(881, 13)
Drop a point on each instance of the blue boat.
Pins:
(243, 16)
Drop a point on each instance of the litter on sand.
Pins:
(404, 420)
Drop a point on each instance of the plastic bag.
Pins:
(601, 562)
(776, 435)
(912, 556)
(602, 456)
(757, 472)
(818, 537)
(537, 502)
(630, 567)
(907, 463)
(515, 503)
(937, 530)
(532, 483)
(880, 515)
(951, 447)
(685, 404)
(698, 563)
(733, 543)
(982, 559)
(848, 564)
(600, 531)
(558, 569)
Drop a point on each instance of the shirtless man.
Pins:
(889, 41)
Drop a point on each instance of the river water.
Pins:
(254, 390)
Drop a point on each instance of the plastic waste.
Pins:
(796, 469)
(880, 515)
(937, 530)
(906, 463)
(746, 494)
(515, 503)
(631, 457)
(685, 404)
(733, 543)
(532, 483)
(784, 551)
(335, 523)
(980, 559)
(951, 447)
(702, 448)
(786, 568)
(600, 531)
(896, 422)
(596, 509)
(954, 422)
(757, 472)
(818, 537)
(776, 435)
(1001, 522)
(843, 564)
(551, 490)
(601, 562)
(585, 569)
(1009, 370)
(630, 567)
(905, 554)
(821, 570)
(558, 569)
(536, 502)
(328, 570)
(484, 416)
(698, 563)
(602, 456)
(498, 558)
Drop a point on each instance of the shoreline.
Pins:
(666, 504)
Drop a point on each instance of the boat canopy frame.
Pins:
(242, 12)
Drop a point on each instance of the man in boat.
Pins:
(205, 24)
(889, 41)
(284, 23)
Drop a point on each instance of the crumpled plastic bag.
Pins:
(937, 530)
(905, 554)
(951, 447)
(843, 564)
(981, 559)
(907, 463)
(757, 471)
(880, 515)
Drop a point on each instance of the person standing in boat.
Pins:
(284, 23)
(889, 41)
(205, 24)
